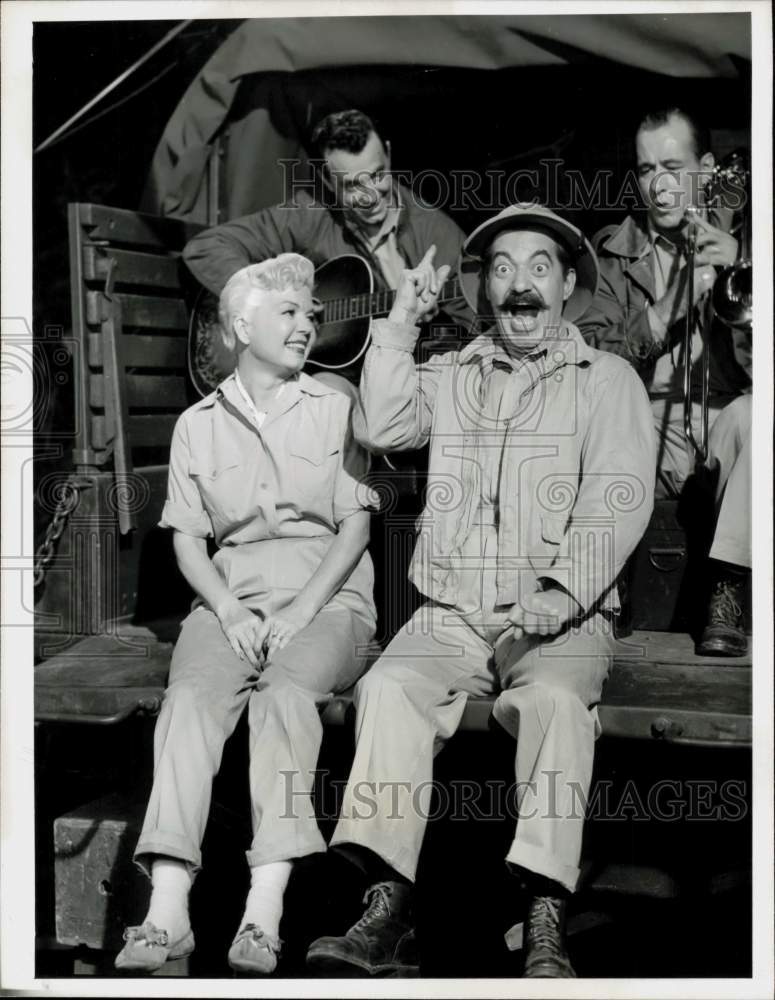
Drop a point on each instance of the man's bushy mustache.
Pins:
(527, 300)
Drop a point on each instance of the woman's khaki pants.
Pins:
(208, 689)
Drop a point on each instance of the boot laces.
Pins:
(724, 604)
(378, 899)
(544, 930)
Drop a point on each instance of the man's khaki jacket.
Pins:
(576, 483)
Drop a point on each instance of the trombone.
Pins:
(732, 291)
(701, 448)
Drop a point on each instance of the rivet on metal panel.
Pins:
(663, 728)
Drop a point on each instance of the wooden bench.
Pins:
(658, 688)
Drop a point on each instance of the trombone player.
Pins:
(640, 312)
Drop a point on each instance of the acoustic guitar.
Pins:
(345, 287)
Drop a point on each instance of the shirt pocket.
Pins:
(313, 452)
(314, 470)
(223, 488)
(543, 549)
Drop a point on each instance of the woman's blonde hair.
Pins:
(275, 274)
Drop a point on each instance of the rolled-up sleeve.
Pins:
(183, 509)
(616, 489)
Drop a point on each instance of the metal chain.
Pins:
(71, 495)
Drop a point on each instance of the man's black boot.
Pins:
(381, 943)
(545, 954)
(723, 635)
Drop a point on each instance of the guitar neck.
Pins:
(371, 305)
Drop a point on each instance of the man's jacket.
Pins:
(576, 482)
(617, 320)
(320, 234)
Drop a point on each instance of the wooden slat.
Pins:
(114, 377)
(143, 311)
(144, 351)
(80, 332)
(676, 647)
(132, 267)
(663, 686)
(145, 431)
(149, 431)
(128, 658)
(150, 392)
(122, 226)
(161, 392)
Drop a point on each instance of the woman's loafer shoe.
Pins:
(147, 948)
(254, 952)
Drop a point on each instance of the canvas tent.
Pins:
(467, 90)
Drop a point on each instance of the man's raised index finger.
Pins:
(430, 253)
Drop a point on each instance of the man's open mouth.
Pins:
(522, 308)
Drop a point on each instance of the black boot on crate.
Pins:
(723, 634)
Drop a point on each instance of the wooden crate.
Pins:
(98, 889)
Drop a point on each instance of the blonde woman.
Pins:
(268, 467)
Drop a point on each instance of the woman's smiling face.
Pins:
(278, 328)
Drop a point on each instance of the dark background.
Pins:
(105, 157)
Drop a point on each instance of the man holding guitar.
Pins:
(368, 216)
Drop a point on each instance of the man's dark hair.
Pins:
(699, 133)
(347, 130)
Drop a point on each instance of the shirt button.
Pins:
(263, 486)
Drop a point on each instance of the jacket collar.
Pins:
(631, 242)
(227, 389)
(484, 348)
